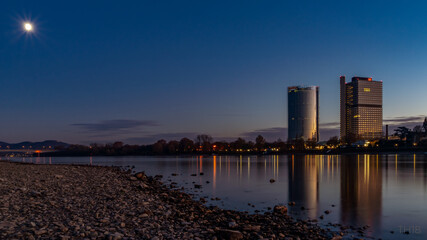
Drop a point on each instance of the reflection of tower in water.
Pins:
(304, 181)
(361, 190)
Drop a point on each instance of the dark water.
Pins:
(386, 192)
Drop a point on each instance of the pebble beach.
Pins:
(93, 202)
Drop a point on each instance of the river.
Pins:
(386, 192)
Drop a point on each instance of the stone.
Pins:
(40, 232)
(117, 235)
(140, 175)
(107, 203)
(230, 234)
(232, 224)
(280, 209)
(255, 228)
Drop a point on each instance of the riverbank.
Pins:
(76, 202)
(336, 151)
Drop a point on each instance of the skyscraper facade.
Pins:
(303, 113)
(361, 111)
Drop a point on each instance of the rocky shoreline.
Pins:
(93, 202)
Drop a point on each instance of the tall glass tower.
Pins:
(303, 113)
(361, 108)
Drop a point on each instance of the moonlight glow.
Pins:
(28, 27)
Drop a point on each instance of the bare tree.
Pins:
(333, 141)
(260, 142)
(205, 141)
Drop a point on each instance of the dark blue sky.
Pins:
(96, 71)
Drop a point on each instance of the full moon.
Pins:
(28, 27)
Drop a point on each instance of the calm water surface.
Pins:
(386, 192)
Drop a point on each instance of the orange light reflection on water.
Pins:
(214, 173)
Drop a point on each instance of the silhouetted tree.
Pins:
(425, 125)
(173, 147)
(299, 144)
(249, 145)
(117, 145)
(205, 141)
(240, 143)
(349, 138)
(417, 129)
(220, 146)
(159, 147)
(402, 132)
(259, 142)
(186, 145)
(130, 150)
(311, 143)
(78, 150)
(279, 144)
(333, 141)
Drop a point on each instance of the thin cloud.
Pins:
(230, 115)
(403, 120)
(115, 125)
(152, 138)
(329, 125)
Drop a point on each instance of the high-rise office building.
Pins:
(303, 113)
(361, 110)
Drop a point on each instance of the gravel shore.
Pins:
(87, 202)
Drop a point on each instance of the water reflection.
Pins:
(303, 182)
(382, 191)
(361, 191)
(214, 172)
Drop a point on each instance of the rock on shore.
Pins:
(84, 202)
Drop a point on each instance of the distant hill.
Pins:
(48, 144)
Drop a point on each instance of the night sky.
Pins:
(138, 71)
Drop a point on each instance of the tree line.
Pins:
(202, 144)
